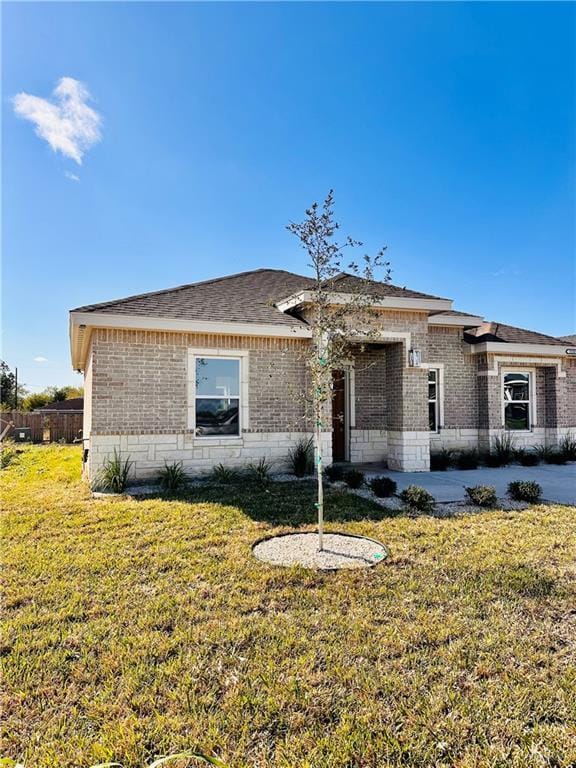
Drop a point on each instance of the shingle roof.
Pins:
(454, 313)
(508, 333)
(569, 339)
(346, 282)
(72, 404)
(246, 297)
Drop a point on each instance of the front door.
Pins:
(339, 416)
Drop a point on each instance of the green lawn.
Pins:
(138, 628)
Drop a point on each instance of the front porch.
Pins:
(380, 408)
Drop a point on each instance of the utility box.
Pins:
(22, 435)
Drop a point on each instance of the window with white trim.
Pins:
(517, 400)
(434, 399)
(217, 396)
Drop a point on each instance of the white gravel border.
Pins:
(341, 551)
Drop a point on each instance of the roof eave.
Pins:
(509, 348)
(385, 302)
(83, 323)
(460, 321)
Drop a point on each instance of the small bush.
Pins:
(224, 475)
(556, 457)
(173, 476)
(482, 495)
(417, 499)
(494, 460)
(259, 472)
(503, 448)
(467, 459)
(567, 446)
(7, 456)
(301, 458)
(114, 473)
(354, 478)
(440, 461)
(383, 487)
(543, 451)
(334, 473)
(527, 458)
(525, 490)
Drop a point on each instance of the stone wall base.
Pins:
(454, 439)
(368, 445)
(409, 451)
(198, 456)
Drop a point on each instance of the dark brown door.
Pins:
(339, 416)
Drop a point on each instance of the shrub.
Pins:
(383, 487)
(503, 448)
(417, 499)
(259, 472)
(568, 446)
(556, 457)
(334, 473)
(173, 476)
(482, 495)
(301, 458)
(543, 452)
(114, 473)
(354, 478)
(7, 456)
(525, 490)
(491, 460)
(224, 475)
(527, 458)
(467, 459)
(440, 461)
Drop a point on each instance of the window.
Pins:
(433, 399)
(517, 400)
(217, 396)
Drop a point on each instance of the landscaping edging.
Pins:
(342, 551)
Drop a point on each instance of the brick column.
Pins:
(407, 413)
(489, 402)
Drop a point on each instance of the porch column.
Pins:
(555, 408)
(489, 402)
(407, 409)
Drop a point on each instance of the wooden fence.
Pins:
(44, 427)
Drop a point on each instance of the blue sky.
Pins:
(446, 130)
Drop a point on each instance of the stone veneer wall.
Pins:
(149, 452)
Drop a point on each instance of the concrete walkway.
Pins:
(558, 482)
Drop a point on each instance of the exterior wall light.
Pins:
(415, 358)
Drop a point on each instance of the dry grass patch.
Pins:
(137, 628)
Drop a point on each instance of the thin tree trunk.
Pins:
(319, 473)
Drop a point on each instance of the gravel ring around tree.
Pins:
(341, 551)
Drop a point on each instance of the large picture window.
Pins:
(217, 396)
(517, 397)
(434, 399)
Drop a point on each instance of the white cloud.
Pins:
(40, 359)
(67, 123)
(71, 176)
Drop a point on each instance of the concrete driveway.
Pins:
(558, 482)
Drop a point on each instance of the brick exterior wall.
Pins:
(446, 347)
(139, 381)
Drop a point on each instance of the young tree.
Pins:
(336, 321)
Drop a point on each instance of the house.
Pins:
(72, 405)
(213, 372)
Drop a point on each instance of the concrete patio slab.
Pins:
(558, 482)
